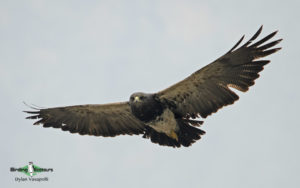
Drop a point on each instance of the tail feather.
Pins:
(160, 138)
(187, 134)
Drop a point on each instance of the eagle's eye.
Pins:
(131, 98)
(142, 97)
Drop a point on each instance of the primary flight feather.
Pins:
(169, 117)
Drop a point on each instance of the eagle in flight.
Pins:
(169, 117)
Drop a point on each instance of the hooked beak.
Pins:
(136, 99)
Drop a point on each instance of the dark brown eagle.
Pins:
(169, 117)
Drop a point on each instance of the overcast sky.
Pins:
(58, 53)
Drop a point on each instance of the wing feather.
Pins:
(98, 120)
(208, 89)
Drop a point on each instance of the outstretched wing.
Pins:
(98, 120)
(208, 89)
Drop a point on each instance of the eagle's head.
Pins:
(144, 106)
(140, 97)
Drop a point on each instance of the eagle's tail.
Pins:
(186, 135)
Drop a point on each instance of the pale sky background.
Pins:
(58, 53)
